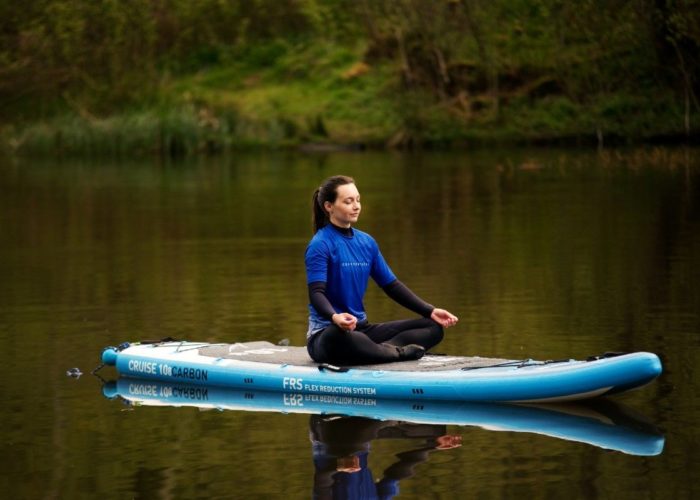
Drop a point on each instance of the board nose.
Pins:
(109, 356)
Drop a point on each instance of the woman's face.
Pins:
(346, 208)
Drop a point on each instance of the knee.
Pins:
(438, 333)
(325, 344)
(330, 333)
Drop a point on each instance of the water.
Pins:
(542, 253)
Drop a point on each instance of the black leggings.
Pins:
(369, 344)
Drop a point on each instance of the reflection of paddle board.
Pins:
(265, 366)
(601, 423)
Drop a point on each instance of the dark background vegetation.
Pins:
(176, 76)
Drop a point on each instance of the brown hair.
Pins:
(327, 191)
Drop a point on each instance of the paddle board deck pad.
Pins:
(263, 366)
(602, 423)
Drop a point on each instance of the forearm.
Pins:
(319, 300)
(405, 297)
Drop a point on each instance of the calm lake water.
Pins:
(542, 253)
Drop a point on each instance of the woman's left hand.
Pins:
(444, 318)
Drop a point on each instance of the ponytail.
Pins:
(319, 216)
(327, 191)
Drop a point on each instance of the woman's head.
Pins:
(335, 200)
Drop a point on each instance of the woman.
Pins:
(339, 262)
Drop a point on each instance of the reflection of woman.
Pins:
(339, 262)
(341, 451)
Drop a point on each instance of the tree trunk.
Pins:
(405, 64)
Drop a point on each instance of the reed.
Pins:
(171, 132)
(168, 132)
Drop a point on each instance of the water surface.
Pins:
(542, 253)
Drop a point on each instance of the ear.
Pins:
(327, 205)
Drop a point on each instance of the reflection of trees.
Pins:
(511, 258)
(561, 253)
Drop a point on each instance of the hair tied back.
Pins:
(327, 191)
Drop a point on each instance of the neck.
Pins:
(345, 225)
(344, 230)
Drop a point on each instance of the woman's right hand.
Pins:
(346, 321)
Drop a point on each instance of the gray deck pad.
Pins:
(266, 352)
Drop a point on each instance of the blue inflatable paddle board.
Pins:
(263, 366)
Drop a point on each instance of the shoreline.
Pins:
(73, 136)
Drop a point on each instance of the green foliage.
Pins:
(406, 72)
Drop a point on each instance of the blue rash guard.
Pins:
(360, 484)
(345, 263)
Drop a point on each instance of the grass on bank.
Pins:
(286, 95)
(310, 95)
